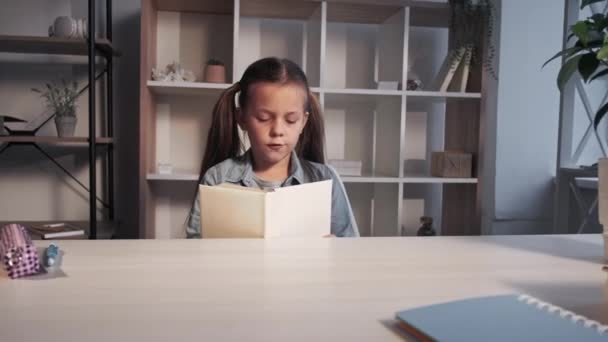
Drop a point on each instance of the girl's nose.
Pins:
(277, 129)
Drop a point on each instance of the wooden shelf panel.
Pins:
(198, 6)
(441, 94)
(282, 9)
(423, 13)
(190, 177)
(54, 140)
(53, 45)
(429, 14)
(436, 180)
(353, 91)
(369, 179)
(186, 88)
(360, 13)
(202, 88)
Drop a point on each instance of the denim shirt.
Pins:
(240, 171)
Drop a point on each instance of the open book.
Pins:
(232, 211)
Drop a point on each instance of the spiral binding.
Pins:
(563, 313)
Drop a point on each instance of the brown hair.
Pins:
(223, 140)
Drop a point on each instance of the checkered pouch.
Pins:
(17, 251)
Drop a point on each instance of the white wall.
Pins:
(527, 112)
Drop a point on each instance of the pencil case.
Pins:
(18, 253)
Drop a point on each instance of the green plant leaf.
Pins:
(586, 3)
(581, 31)
(567, 70)
(599, 115)
(587, 65)
(566, 52)
(602, 53)
(596, 43)
(600, 21)
(599, 74)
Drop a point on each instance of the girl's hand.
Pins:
(329, 236)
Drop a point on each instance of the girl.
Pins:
(283, 121)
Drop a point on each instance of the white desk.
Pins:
(279, 290)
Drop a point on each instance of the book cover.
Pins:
(56, 231)
(448, 69)
(499, 318)
(232, 211)
(461, 75)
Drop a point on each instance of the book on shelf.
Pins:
(499, 318)
(461, 76)
(233, 211)
(57, 230)
(448, 69)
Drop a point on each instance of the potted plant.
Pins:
(61, 99)
(215, 71)
(589, 58)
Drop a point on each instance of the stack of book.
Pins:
(59, 230)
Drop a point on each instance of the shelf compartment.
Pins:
(295, 36)
(364, 129)
(368, 39)
(192, 39)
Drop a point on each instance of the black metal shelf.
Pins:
(54, 46)
(91, 48)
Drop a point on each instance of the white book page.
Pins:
(300, 211)
(231, 212)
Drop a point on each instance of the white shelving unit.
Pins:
(344, 48)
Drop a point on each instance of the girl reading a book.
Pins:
(284, 124)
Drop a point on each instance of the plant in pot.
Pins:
(588, 57)
(215, 71)
(61, 99)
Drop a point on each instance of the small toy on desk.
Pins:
(50, 255)
(19, 255)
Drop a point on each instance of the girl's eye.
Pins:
(262, 118)
(292, 119)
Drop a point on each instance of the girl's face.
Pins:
(273, 119)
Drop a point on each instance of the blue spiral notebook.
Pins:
(499, 318)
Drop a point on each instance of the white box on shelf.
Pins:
(388, 85)
(348, 172)
(165, 168)
(347, 167)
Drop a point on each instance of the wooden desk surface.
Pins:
(278, 290)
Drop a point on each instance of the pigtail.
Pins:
(311, 142)
(223, 140)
